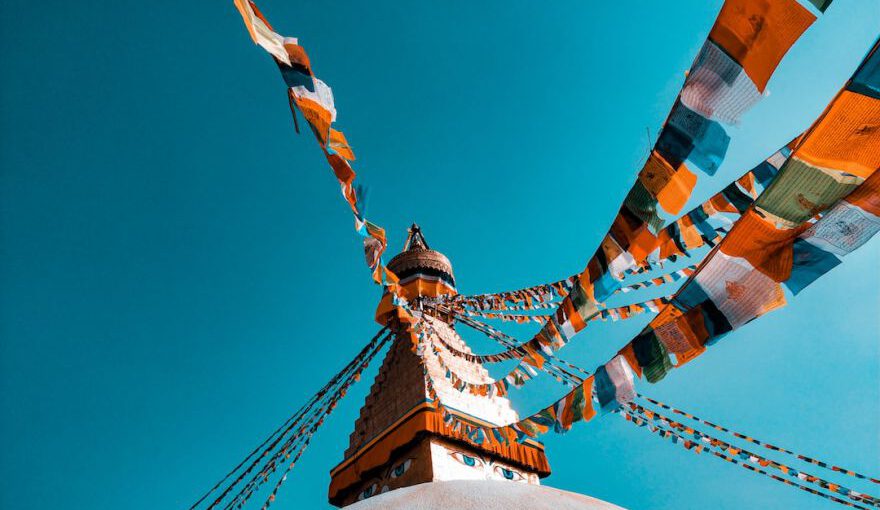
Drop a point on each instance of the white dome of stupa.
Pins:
(480, 495)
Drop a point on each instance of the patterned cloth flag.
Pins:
(693, 137)
(843, 229)
(758, 33)
(261, 31)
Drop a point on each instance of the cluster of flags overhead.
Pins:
(741, 279)
(705, 225)
(778, 240)
(727, 78)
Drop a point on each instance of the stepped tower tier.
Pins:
(399, 439)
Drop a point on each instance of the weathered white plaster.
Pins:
(481, 495)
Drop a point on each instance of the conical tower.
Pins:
(399, 439)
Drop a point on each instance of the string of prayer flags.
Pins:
(537, 296)
(627, 311)
(698, 441)
(304, 433)
(562, 367)
(292, 437)
(752, 457)
(537, 348)
(523, 372)
(765, 444)
(617, 313)
(674, 276)
(576, 406)
(508, 317)
(516, 378)
(314, 99)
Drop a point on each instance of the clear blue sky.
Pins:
(179, 272)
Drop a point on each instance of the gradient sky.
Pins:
(178, 272)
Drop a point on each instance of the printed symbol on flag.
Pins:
(809, 206)
(867, 129)
(734, 290)
(846, 228)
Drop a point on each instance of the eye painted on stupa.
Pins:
(466, 459)
(401, 468)
(509, 474)
(368, 492)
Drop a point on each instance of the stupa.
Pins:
(402, 454)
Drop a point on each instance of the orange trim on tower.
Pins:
(420, 421)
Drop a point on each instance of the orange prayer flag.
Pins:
(243, 6)
(573, 316)
(642, 244)
(667, 245)
(343, 171)
(689, 233)
(340, 145)
(671, 187)
(747, 181)
(758, 33)
(587, 387)
(764, 246)
(867, 195)
(847, 137)
(533, 358)
(721, 204)
(316, 115)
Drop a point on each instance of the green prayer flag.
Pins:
(800, 191)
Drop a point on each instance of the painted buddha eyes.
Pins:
(396, 472)
(466, 459)
(401, 468)
(368, 492)
(500, 471)
(509, 474)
